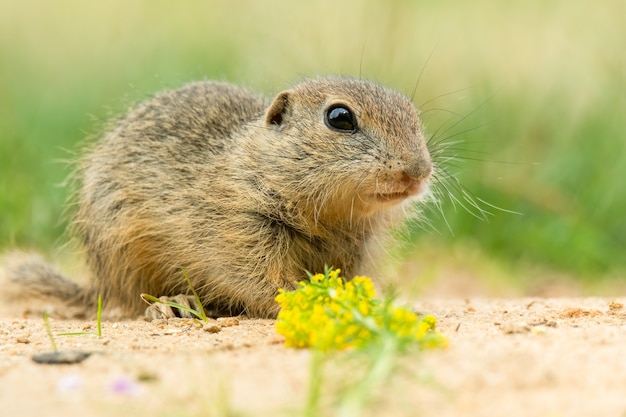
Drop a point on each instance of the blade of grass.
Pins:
(98, 323)
(316, 380)
(197, 297)
(99, 315)
(46, 324)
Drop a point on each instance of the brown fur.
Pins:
(244, 194)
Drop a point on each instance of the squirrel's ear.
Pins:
(276, 112)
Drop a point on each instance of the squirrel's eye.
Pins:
(340, 118)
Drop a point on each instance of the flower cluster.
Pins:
(329, 313)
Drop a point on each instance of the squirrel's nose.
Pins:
(419, 168)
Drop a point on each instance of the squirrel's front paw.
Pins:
(163, 310)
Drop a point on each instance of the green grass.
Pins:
(543, 84)
(98, 323)
(46, 324)
(48, 327)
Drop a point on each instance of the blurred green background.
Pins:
(535, 92)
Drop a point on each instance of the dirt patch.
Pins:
(519, 357)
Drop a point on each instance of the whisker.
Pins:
(481, 105)
(439, 109)
(499, 208)
(444, 95)
(419, 77)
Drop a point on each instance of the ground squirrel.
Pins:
(244, 194)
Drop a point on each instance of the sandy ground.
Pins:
(517, 357)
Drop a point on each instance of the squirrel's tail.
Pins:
(27, 275)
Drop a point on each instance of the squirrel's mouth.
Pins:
(388, 197)
(414, 188)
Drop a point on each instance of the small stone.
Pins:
(516, 328)
(61, 357)
(228, 321)
(572, 313)
(23, 339)
(211, 327)
(544, 322)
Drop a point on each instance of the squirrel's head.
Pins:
(358, 146)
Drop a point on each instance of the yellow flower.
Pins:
(328, 313)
